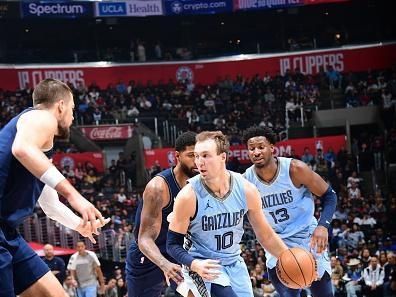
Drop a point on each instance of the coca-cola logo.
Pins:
(106, 133)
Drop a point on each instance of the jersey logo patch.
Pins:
(208, 205)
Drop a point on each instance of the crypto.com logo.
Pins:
(177, 7)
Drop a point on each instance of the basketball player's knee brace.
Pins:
(329, 200)
(52, 177)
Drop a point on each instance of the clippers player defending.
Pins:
(148, 264)
(285, 186)
(25, 150)
(209, 211)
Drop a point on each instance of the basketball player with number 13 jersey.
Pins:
(285, 186)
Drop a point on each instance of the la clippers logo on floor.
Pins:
(184, 73)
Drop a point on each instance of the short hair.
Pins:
(256, 131)
(50, 91)
(184, 140)
(222, 143)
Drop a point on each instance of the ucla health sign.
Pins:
(131, 8)
(180, 7)
(56, 9)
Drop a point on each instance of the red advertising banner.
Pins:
(166, 156)
(353, 58)
(103, 132)
(71, 160)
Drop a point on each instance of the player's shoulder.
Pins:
(36, 117)
(297, 166)
(187, 193)
(157, 185)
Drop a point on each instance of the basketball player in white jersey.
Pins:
(285, 186)
(210, 210)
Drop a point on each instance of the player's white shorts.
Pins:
(235, 275)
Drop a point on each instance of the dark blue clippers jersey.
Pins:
(19, 189)
(135, 255)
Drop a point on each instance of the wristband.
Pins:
(52, 177)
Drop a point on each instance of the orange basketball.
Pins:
(296, 268)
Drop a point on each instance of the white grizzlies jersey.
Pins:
(288, 209)
(217, 228)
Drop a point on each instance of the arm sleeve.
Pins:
(329, 199)
(56, 210)
(174, 247)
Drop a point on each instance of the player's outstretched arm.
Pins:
(183, 211)
(264, 233)
(35, 133)
(301, 174)
(155, 198)
(56, 210)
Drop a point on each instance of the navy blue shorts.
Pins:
(143, 277)
(20, 266)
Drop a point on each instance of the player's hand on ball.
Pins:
(207, 269)
(172, 271)
(86, 230)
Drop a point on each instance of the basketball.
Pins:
(296, 268)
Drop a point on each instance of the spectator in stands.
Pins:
(84, 267)
(307, 157)
(389, 270)
(70, 286)
(366, 158)
(353, 278)
(365, 258)
(337, 272)
(354, 192)
(147, 143)
(141, 52)
(334, 78)
(111, 290)
(354, 236)
(353, 179)
(373, 276)
(257, 277)
(55, 264)
(121, 288)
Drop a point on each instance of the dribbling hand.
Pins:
(207, 269)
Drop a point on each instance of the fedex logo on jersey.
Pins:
(56, 9)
